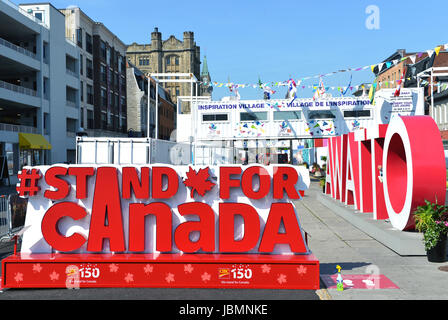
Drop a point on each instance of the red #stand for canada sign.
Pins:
(164, 226)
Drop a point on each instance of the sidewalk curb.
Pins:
(403, 243)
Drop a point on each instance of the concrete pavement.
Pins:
(336, 241)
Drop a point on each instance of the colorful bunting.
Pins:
(292, 86)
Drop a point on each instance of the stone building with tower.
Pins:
(171, 56)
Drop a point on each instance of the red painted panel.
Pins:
(162, 270)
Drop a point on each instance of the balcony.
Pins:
(19, 89)
(21, 50)
(72, 73)
(17, 128)
(71, 104)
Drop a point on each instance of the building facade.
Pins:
(39, 86)
(271, 131)
(170, 56)
(137, 92)
(103, 74)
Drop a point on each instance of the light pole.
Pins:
(149, 106)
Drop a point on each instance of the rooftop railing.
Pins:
(26, 14)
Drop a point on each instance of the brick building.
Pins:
(102, 74)
(436, 104)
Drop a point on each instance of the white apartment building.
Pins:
(39, 86)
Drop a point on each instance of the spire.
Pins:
(204, 72)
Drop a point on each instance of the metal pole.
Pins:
(432, 93)
(157, 111)
(149, 108)
(193, 121)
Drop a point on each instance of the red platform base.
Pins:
(248, 271)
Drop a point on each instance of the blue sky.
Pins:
(276, 40)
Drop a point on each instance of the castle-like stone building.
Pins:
(172, 56)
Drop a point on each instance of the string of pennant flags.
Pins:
(297, 84)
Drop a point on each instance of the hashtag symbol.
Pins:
(28, 180)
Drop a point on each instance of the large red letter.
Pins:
(63, 188)
(157, 182)
(205, 226)
(106, 203)
(247, 182)
(292, 235)
(288, 184)
(129, 178)
(227, 213)
(137, 214)
(50, 229)
(225, 183)
(81, 174)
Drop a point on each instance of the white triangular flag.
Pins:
(430, 52)
(413, 58)
(395, 61)
(380, 66)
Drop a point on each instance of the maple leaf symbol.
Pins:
(54, 276)
(37, 267)
(129, 277)
(301, 270)
(265, 268)
(281, 278)
(18, 277)
(113, 267)
(169, 277)
(188, 268)
(148, 268)
(198, 181)
(205, 276)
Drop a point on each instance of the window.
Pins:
(321, 114)
(79, 37)
(120, 61)
(103, 50)
(89, 68)
(143, 61)
(44, 51)
(89, 45)
(176, 61)
(38, 15)
(103, 98)
(254, 116)
(81, 89)
(215, 117)
(356, 113)
(286, 115)
(89, 92)
(82, 117)
(89, 119)
(81, 64)
(168, 61)
(103, 120)
(103, 73)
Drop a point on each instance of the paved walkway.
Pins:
(337, 242)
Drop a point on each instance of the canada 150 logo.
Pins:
(235, 272)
